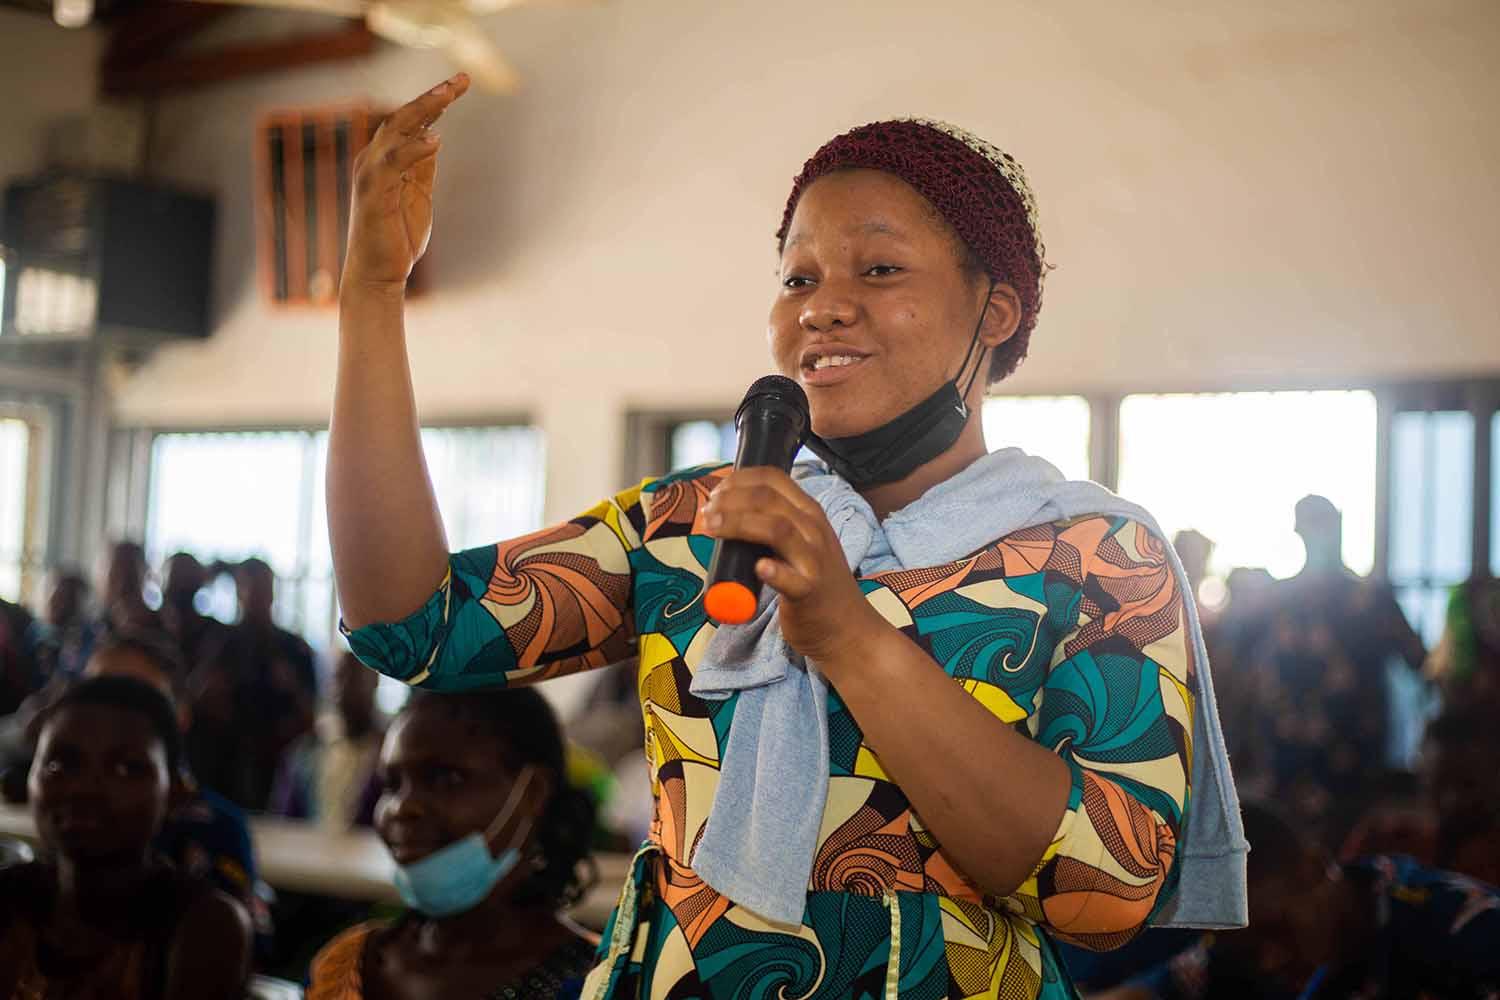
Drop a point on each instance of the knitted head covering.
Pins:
(979, 190)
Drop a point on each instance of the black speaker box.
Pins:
(100, 257)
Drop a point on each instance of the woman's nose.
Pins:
(829, 306)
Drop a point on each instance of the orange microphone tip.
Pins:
(729, 603)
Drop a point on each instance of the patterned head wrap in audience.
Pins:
(979, 190)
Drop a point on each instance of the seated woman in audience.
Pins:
(1382, 927)
(488, 838)
(101, 917)
(204, 834)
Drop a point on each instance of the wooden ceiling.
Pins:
(145, 54)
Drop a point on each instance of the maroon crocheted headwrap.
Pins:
(979, 190)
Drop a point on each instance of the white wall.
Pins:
(1233, 193)
(45, 72)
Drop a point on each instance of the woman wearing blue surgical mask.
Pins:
(485, 855)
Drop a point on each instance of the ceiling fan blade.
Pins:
(475, 54)
(492, 6)
(335, 8)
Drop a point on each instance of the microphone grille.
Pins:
(779, 387)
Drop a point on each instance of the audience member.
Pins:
(330, 775)
(254, 699)
(1380, 928)
(63, 634)
(18, 665)
(123, 591)
(488, 840)
(1195, 549)
(101, 917)
(1466, 661)
(1318, 707)
(199, 637)
(204, 834)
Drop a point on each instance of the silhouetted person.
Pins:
(199, 638)
(254, 699)
(1319, 703)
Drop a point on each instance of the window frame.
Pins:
(131, 470)
(649, 432)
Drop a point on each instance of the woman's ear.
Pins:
(1003, 317)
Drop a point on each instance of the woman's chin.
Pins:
(831, 426)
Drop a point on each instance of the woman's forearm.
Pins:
(992, 797)
(389, 548)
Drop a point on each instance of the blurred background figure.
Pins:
(18, 663)
(330, 774)
(1465, 663)
(199, 637)
(1320, 702)
(62, 633)
(1195, 549)
(254, 699)
(1382, 927)
(122, 591)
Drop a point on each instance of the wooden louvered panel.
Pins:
(304, 165)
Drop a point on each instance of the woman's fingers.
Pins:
(418, 114)
(412, 152)
(783, 578)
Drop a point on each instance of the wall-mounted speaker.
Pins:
(89, 256)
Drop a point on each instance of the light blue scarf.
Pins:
(757, 847)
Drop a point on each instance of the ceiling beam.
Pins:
(144, 73)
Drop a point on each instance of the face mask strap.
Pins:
(513, 800)
(963, 398)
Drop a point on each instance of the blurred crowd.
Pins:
(259, 726)
(1367, 765)
(1367, 769)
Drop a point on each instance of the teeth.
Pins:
(833, 361)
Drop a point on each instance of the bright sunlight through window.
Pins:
(1053, 427)
(13, 447)
(1233, 465)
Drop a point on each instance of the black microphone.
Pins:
(772, 423)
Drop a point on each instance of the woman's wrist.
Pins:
(869, 642)
(354, 290)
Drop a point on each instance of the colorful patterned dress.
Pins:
(1071, 633)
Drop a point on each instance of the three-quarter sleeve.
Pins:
(550, 603)
(1117, 707)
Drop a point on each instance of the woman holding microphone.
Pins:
(974, 708)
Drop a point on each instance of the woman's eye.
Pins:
(795, 281)
(131, 768)
(450, 776)
(53, 766)
(883, 270)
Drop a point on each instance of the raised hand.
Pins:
(391, 218)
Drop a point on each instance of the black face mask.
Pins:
(895, 450)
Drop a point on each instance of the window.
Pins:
(14, 481)
(699, 442)
(1495, 494)
(1233, 466)
(230, 495)
(1053, 427)
(1432, 512)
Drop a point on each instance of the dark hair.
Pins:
(153, 646)
(131, 695)
(528, 733)
(1277, 849)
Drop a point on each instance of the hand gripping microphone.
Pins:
(772, 423)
